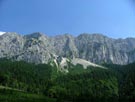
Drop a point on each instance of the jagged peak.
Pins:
(1, 33)
(91, 35)
(66, 35)
(35, 35)
(10, 34)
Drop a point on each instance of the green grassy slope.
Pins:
(13, 95)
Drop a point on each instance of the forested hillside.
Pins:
(79, 85)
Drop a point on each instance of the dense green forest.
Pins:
(21, 81)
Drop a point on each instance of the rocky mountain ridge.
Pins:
(39, 48)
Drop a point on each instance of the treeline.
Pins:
(92, 84)
(25, 76)
(126, 78)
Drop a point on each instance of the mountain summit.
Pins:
(39, 48)
(1, 33)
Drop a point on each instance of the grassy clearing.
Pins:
(12, 95)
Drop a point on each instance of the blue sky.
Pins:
(114, 18)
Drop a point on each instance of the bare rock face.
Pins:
(99, 49)
(11, 44)
(39, 48)
(64, 45)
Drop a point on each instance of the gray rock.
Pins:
(39, 48)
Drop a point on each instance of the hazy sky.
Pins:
(114, 18)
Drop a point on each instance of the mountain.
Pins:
(1, 33)
(39, 48)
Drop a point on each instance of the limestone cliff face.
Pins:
(98, 48)
(39, 48)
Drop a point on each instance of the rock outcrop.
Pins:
(39, 48)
